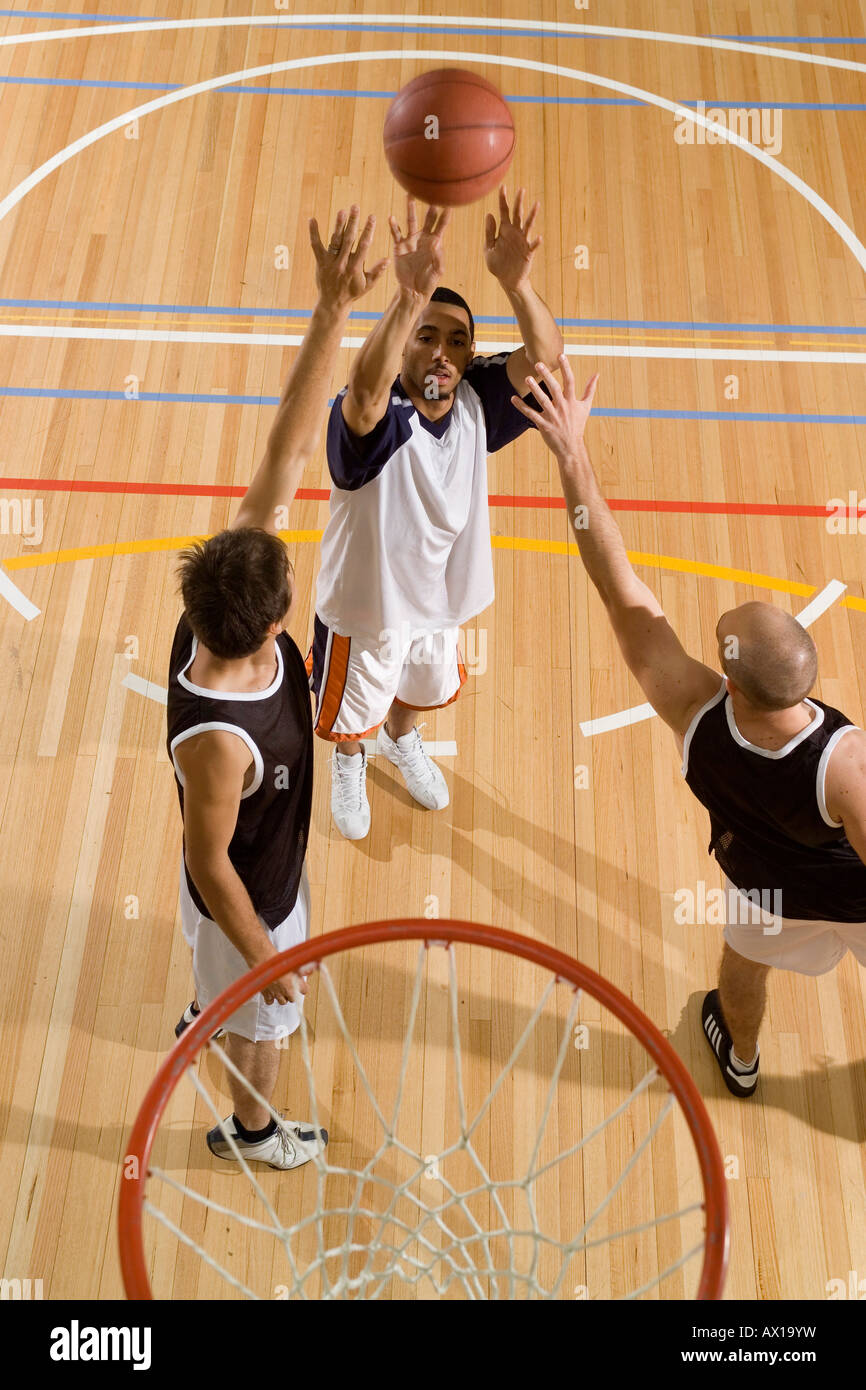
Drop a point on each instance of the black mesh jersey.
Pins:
(770, 828)
(270, 840)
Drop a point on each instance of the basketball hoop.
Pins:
(508, 1205)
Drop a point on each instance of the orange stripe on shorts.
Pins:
(332, 695)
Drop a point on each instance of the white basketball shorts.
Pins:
(216, 964)
(788, 943)
(356, 681)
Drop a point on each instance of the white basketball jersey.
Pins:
(407, 546)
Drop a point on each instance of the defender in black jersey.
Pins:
(782, 776)
(240, 733)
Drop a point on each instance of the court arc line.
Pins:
(829, 595)
(503, 26)
(853, 40)
(496, 60)
(669, 563)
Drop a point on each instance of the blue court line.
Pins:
(54, 14)
(610, 412)
(356, 94)
(372, 314)
(405, 28)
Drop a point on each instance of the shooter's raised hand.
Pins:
(509, 251)
(419, 263)
(563, 416)
(340, 273)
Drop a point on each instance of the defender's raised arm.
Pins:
(674, 683)
(341, 279)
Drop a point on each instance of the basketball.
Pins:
(449, 137)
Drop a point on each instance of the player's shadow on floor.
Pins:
(828, 1097)
(533, 906)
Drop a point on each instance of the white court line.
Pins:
(170, 335)
(818, 605)
(13, 595)
(821, 602)
(158, 693)
(795, 55)
(617, 721)
(400, 55)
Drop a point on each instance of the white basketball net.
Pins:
(423, 1234)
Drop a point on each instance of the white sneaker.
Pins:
(421, 775)
(349, 805)
(290, 1146)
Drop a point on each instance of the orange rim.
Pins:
(433, 933)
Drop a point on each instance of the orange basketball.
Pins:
(449, 137)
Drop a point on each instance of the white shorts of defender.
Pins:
(216, 964)
(788, 943)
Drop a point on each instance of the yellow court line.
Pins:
(671, 563)
(664, 562)
(837, 340)
(96, 552)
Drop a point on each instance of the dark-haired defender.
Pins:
(240, 732)
(406, 554)
(782, 776)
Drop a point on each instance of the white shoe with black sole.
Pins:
(290, 1146)
(739, 1083)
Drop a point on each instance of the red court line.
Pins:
(313, 494)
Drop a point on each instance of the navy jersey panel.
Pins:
(354, 459)
(488, 377)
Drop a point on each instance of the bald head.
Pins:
(767, 655)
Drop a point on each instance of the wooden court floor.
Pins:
(725, 308)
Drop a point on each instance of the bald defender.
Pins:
(783, 776)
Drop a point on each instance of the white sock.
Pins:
(742, 1066)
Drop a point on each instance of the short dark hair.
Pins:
(235, 585)
(443, 295)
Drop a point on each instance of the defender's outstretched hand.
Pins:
(562, 418)
(340, 273)
(509, 254)
(418, 260)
